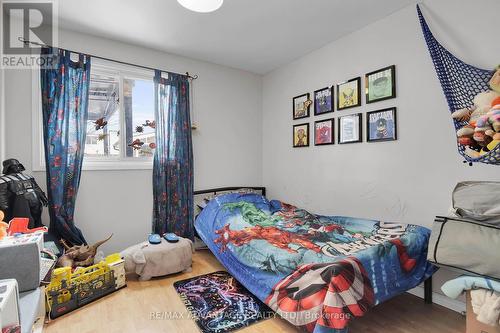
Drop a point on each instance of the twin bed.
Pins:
(317, 272)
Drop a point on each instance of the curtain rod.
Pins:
(25, 41)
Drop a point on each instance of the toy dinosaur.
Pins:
(80, 255)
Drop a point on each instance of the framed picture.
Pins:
(323, 101)
(381, 85)
(349, 94)
(350, 128)
(323, 132)
(301, 135)
(381, 125)
(301, 105)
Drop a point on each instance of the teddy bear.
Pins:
(481, 133)
(3, 226)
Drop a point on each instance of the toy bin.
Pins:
(68, 290)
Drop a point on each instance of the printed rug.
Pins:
(218, 303)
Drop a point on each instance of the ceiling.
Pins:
(254, 35)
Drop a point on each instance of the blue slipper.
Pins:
(171, 237)
(154, 239)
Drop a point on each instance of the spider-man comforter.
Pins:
(315, 271)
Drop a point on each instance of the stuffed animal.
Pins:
(3, 226)
(482, 130)
(495, 80)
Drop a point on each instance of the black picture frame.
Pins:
(332, 135)
(307, 97)
(357, 90)
(370, 124)
(392, 69)
(359, 127)
(331, 100)
(307, 135)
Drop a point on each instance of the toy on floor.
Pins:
(19, 225)
(481, 134)
(80, 255)
(3, 226)
(68, 291)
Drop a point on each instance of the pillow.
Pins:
(201, 200)
(479, 201)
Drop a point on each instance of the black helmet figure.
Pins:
(20, 195)
(11, 166)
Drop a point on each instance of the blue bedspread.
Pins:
(315, 271)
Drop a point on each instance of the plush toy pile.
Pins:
(482, 132)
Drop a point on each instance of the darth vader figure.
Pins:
(20, 195)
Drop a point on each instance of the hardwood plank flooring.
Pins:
(132, 308)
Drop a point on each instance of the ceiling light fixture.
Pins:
(201, 6)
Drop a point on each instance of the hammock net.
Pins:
(461, 82)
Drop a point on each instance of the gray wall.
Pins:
(409, 180)
(227, 145)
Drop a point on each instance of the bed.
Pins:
(315, 271)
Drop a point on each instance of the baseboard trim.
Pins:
(452, 304)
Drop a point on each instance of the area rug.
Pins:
(218, 303)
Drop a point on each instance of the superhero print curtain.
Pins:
(173, 159)
(65, 90)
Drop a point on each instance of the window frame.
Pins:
(121, 71)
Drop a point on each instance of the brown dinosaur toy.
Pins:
(80, 255)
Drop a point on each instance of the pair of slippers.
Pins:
(169, 237)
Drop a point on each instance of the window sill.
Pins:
(117, 165)
(109, 165)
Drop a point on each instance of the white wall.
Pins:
(409, 180)
(227, 145)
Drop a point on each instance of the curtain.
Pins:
(173, 160)
(65, 90)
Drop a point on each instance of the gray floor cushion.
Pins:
(148, 260)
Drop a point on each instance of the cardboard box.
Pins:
(473, 325)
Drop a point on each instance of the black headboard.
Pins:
(231, 188)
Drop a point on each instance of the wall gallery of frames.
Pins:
(381, 124)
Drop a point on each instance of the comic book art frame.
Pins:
(332, 132)
(357, 89)
(359, 127)
(392, 70)
(308, 107)
(307, 135)
(394, 126)
(331, 99)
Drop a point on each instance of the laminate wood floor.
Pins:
(130, 310)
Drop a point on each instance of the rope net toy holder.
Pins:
(461, 82)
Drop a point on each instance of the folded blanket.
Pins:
(455, 287)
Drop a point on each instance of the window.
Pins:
(121, 118)
(103, 125)
(121, 123)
